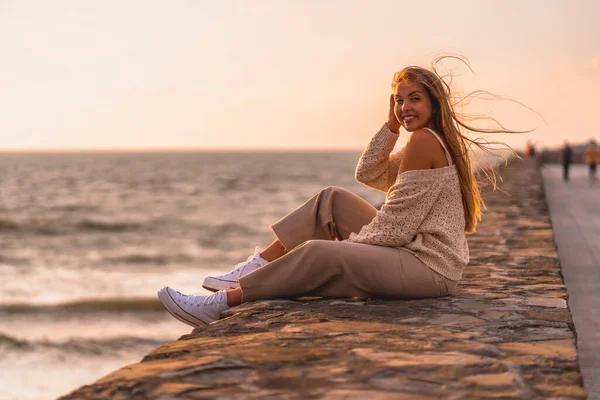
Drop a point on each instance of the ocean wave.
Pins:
(95, 346)
(73, 207)
(105, 226)
(12, 342)
(87, 306)
(12, 261)
(42, 226)
(228, 228)
(8, 225)
(150, 259)
(221, 236)
(62, 226)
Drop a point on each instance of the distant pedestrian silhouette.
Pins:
(530, 149)
(567, 159)
(591, 156)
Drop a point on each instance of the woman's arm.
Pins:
(412, 198)
(376, 167)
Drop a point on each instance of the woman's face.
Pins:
(412, 106)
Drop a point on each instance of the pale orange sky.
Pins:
(275, 74)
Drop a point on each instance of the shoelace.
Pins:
(197, 300)
(245, 263)
(240, 265)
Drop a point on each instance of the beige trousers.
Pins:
(320, 263)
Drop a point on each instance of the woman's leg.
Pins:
(331, 214)
(235, 297)
(273, 251)
(318, 268)
(341, 269)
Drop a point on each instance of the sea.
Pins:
(87, 239)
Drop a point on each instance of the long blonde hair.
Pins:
(451, 126)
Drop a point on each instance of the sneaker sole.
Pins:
(176, 311)
(216, 284)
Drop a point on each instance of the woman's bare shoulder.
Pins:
(420, 152)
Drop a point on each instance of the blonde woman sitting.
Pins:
(338, 245)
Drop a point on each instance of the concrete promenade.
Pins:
(575, 214)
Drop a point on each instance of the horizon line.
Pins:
(171, 149)
(23, 150)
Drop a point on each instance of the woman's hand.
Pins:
(393, 124)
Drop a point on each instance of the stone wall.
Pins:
(505, 333)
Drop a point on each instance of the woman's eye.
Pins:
(416, 98)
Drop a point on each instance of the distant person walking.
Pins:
(530, 149)
(591, 156)
(567, 159)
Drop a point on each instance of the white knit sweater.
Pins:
(423, 210)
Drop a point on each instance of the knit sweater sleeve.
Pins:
(376, 167)
(409, 201)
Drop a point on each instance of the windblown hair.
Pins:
(452, 127)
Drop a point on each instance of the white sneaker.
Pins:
(195, 311)
(231, 280)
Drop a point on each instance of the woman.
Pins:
(338, 245)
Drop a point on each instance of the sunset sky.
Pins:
(281, 74)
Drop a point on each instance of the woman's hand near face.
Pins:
(393, 124)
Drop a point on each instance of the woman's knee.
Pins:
(332, 189)
(321, 257)
(336, 193)
(313, 246)
(315, 251)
